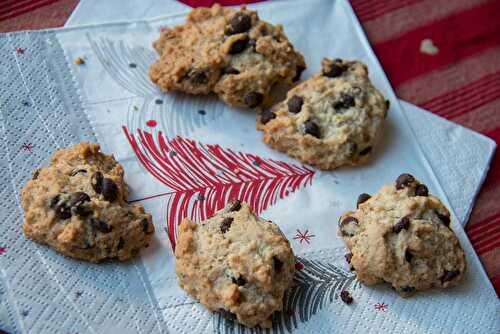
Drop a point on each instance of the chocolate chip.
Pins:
(295, 104)
(55, 201)
(240, 281)
(253, 99)
(408, 289)
(76, 203)
(349, 223)
(278, 264)
(77, 171)
(421, 190)
(240, 22)
(346, 101)
(100, 225)
(349, 219)
(145, 226)
(266, 116)
(365, 151)
(334, 71)
(444, 218)
(449, 275)
(227, 314)
(311, 128)
(298, 72)
(121, 243)
(35, 174)
(109, 190)
(402, 224)
(132, 65)
(198, 77)
(238, 46)
(346, 297)
(202, 112)
(96, 182)
(226, 224)
(230, 70)
(362, 198)
(61, 208)
(408, 256)
(235, 206)
(348, 257)
(63, 211)
(404, 180)
(78, 198)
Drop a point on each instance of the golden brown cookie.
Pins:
(235, 263)
(231, 53)
(77, 205)
(402, 236)
(329, 120)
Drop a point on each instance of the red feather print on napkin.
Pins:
(204, 178)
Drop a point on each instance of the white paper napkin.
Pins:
(150, 119)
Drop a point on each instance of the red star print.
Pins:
(3, 250)
(20, 51)
(303, 236)
(381, 307)
(27, 147)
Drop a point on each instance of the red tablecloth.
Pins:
(461, 82)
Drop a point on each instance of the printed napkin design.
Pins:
(204, 178)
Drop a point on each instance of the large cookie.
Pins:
(402, 236)
(329, 120)
(231, 53)
(77, 205)
(235, 263)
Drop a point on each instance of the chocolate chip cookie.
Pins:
(329, 120)
(77, 205)
(235, 263)
(231, 53)
(402, 236)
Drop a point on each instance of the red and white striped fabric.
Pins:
(457, 78)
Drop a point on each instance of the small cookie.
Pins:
(235, 263)
(231, 53)
(402, 236)
(329, 120)
(77, 205)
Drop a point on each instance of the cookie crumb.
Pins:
(346, 297)
(79, 61)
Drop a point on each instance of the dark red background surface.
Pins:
(461, 82)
